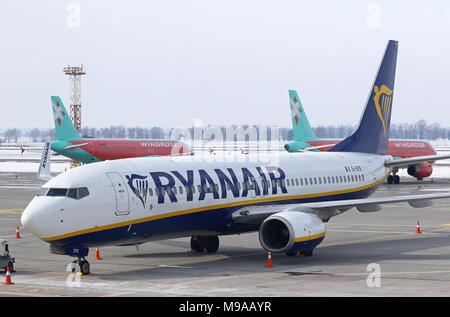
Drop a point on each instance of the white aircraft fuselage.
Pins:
(142, 199)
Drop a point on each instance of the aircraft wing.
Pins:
(44, 165)
(327, 209)
(415, 160)
(312, 148)
(75, 146)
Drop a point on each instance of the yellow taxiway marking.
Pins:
(11, 210)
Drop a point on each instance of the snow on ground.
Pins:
(12, 158)
(34, 155)
(16, 166)
(31, 167)
(440, 142)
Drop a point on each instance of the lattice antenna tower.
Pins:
(75, 73)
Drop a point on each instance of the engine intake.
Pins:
(291, 231)
(420, 170)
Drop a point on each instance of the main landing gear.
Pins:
(200, 244)
(394, 178)
(303, 253)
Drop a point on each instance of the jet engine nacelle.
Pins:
(289, 146)
(295, 146)
(291, 231)
(420, 170)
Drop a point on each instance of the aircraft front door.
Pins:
(121, 192)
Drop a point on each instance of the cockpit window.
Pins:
(74, 193)
(82, 192)
(43, 191)
(57, 192)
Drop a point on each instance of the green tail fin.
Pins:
(63, 124)
(300, 124)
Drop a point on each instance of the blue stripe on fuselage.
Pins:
(215, 220)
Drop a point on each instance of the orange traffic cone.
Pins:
(269, 260)
(8, 277)
(17, 233)
(418, 228)
(97, 254)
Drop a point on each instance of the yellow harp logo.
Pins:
(383, 107)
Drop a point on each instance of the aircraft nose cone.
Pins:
(37, 219)
(27, 219)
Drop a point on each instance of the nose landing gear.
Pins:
(74, 251)
(84, 265)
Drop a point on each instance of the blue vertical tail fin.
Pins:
(372, 133)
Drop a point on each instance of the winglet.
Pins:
(44, 166)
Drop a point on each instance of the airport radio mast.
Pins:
(75, 73)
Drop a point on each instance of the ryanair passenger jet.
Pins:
(288, 198)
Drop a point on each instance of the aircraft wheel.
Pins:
(396, 179)
(307, 253)
(11, 267)
(291, 253)
(196, 245)
(84, 267)
(211, 244)
(390, 179)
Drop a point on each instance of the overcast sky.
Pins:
(166, 63)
